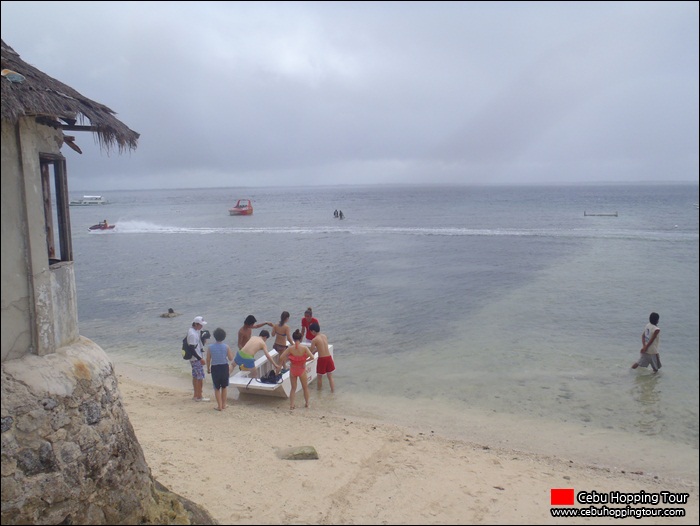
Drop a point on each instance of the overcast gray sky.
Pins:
(297, 93)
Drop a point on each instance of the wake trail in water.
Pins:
(141, 227)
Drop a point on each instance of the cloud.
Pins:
(257, 93)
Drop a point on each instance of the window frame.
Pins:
(62, 229)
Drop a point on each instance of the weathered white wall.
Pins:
(69, 452)
(14, 309)
(39, 306)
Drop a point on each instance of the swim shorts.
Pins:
(648, 359)
(244, 361)
(219, 376)
(325, 365)
(197, 369)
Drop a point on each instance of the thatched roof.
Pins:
(52, 101)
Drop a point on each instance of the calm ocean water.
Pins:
(495, 314)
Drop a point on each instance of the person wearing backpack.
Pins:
(197, 362)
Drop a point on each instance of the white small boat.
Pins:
(88, 200)
(245, 384)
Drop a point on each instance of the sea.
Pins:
(505, 316)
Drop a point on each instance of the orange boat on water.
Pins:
(244, 207)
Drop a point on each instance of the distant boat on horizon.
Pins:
(89, 200)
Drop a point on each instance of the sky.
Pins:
(256, 94)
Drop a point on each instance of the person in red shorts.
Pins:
(325, 364)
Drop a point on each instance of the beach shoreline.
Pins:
(368, 472)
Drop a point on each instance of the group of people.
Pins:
(338, 214)
(305, 342)
(297, 347)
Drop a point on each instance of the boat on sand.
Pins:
(247, 385)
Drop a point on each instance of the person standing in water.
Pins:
(245, 332)
(307, 320)
(324, 364)
(282, 333)
(297, 354)
(651, 336)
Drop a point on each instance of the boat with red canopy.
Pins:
(244, 207)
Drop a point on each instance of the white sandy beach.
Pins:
(367, 472)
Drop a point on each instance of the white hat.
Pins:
(200, 320)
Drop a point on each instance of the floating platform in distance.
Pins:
(608, 214)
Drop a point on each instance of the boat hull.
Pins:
(240, 212)
(89, 200)
(246, 385)
(100, 228)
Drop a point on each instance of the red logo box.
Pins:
(562, 497)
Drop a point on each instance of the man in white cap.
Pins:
(197, 362)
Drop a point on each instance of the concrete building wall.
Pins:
(39, 310)
(69, 452)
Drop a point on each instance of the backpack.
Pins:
(186, 349)
(271, 378)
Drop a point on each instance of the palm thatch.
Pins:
(51, 101)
